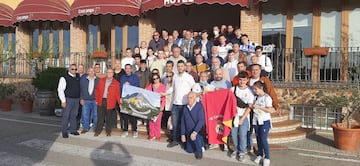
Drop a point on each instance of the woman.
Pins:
(136, 50)
(158, 87)
(150, 57)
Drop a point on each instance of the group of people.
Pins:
(181, 70)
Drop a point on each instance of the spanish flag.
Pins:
(220, 108)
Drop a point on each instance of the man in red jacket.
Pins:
(107, 93)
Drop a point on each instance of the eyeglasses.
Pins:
(74, 69)
(155, 78)
(168, 76)
(154, 73)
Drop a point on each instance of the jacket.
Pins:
(84, 85)
(113, 94)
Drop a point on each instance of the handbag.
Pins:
(240, 103)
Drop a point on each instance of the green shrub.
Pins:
(6, 90)
(49, 78)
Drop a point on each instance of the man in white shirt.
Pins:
(231, 65)
(182, 84)
(223, 47)
(128, 59)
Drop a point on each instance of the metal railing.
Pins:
(315, 117)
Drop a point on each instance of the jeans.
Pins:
(176, 115)
(89, 113)
(250, 131)
(240, 132)
(262, 133)
(69, 115)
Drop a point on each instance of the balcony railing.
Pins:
(291, 67)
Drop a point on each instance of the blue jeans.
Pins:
(240, 132)
(262, 133)
(250, 132)
(69, 115)
(176, 113)
(89, 113)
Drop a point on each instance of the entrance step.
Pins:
(283, 126)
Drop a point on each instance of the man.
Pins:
(182, 84)
(137, 58)
(171, 43)
(169, 68)
(231, 65)
(205, 45)
(223, 47)
(189, 69)
(216, 65)
(192, 121)
(159, 62)
(237, 37)
(200, 66)
(246, 45)
(229, 33)
(214, 53)
(69, 95)
(128, 59)
(165, 35)
(87, 100)
(98, 72)
(156, 42)
(143, 74)
(176, 57)
(216, 32)
(241, 66)
(239, 56)
(177, 40)
(129, 79)
(81, 72)
(264, 61)
(106, 95)
(219, 82)
(187, 45)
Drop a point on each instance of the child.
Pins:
(262, 121)
(241, 120)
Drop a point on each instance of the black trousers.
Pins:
(124, 119)
(104, 115)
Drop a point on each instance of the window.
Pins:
(274, 24)
(92, 38)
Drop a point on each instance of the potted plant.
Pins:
(46, 83)
(26, 101)
(6, 90)
(346, 133)
(317, 50)
(100, 53)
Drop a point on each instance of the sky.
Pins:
(14, 3)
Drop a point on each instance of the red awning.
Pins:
(96, 7)
(154, 4)
(42, 10)
(5, 15)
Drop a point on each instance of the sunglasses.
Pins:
(168, 76)
(155, 78)
(74, 69)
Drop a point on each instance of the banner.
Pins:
(219, 112)
(140, 103)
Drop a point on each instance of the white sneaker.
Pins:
(135, 134)
(258, 159)
(266, 162)
(213, 146)
(226, 148)
(124, 134)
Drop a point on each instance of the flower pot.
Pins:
(5, 105)
(26, 106)
(346, 139)
(99, 54)
(323, 51)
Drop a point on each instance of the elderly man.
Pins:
(216, 65)
(187, 45)
(69, 95)
(87, 100)
(156, 42)
(214, 53)
(106, 95)
(192, 121)
(220, 82)
(176, 57)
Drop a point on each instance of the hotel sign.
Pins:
(88, 11)
(172, 2)
(22, 18)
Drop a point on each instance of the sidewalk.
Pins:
(320, 142)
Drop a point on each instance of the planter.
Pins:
(5, 105)
(346, 139)
(45, 102)
(99, 54)
(323, 51)
(26, 106)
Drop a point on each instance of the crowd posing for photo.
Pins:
(181, 71)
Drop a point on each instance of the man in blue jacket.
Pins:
(129, 79)
(88, 84)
